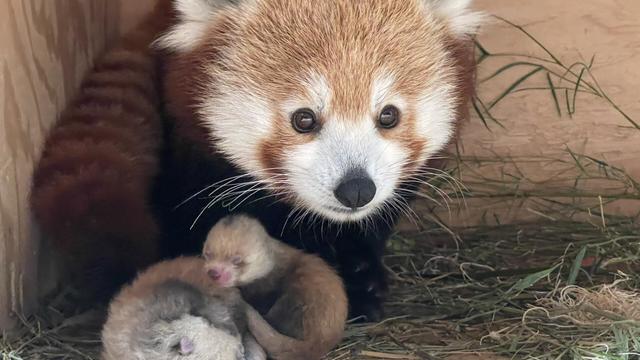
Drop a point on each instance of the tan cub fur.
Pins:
(303, 298)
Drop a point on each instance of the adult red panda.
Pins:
(316, 117)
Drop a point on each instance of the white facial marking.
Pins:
(383, 93)
(315, 169)
(435, 113)
(317, 98)
(462, 20)
(381, 90)
(194, 17)
(239, 122)
(319, 91)
(344, 145)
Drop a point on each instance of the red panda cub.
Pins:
(303, 299)
(172, 311)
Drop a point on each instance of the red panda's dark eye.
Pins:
(304, 121)
(389, 117)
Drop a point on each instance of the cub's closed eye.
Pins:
(304, 121)
(207, 255)
(237, 260)
(389, 117)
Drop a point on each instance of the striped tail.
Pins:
(92, 187)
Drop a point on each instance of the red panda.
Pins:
(303, 298)
(315, 117)
(92, 187)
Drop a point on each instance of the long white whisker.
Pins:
(230, 179)
(403, 207)
(440, 192)
(246, 194)
(295, 209)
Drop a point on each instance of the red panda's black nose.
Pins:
(355, 190)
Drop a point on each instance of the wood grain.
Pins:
(574, 30)
(45, 48)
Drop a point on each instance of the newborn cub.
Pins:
(173, 312)
(302, 298)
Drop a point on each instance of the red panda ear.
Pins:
(193, 19)
(461, 19)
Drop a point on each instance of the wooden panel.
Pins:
(45, 48)
(573, 30)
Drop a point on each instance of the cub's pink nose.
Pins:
(220, 275)
(215, 274)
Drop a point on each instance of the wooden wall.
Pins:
(47, 45)
(573, 30)
(45, 48)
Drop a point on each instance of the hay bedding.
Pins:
(548, 290)
(562, 287)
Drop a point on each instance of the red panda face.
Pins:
(333, 102)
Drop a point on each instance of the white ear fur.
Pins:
(462, 20)
(193, 20)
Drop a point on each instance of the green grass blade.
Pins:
(576, 266)
(615, 106)
(576, 158)
(509, 66)
(554, 94)
(531, 280)
(487, 112)
(527, 34)
(575, 91)
(514, 85)
(479, 113)
(566, 97)
(484, 53)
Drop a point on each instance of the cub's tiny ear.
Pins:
(462, 20)
(194, 17)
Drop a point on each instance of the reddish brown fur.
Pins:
(462, 52)
(128, 306)
(91, 188)
(276, 52)
(319, 293)
(310, 306)
(182, 82)
(348, 54)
